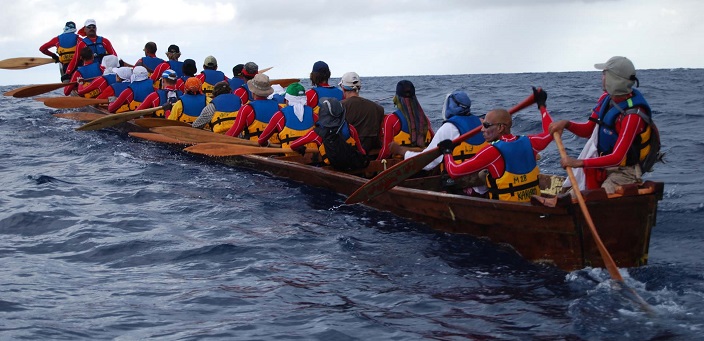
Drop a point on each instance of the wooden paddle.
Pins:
(24, 62)
(154, 137)
(284, 82)
(265, 69)
(14, 91)
(228, 149)
(80, 116)
(72, 102)
(153, 122)
(38, 89)
(403, 170)
(605, 255)
(203, 136)
(115, 119)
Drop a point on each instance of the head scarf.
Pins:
(457, 103)
(110, 62)
(139, 73)
(296, 97)
(408, 106)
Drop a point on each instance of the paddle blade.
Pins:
(153, 122)
(284, 82)
(265, 69)
(115, 119)
(200, 136)
(20, 63)
(34, 90)
(154, 137)
(80, 116)
(228, 149)
(72, 102)
(393, 176)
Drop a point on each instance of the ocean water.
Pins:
(103, 236)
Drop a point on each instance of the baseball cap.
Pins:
(350, 81)
(89, 22)
(320, 66)
(619, 66)
(174, 49)
(210, 61)
(170, 74)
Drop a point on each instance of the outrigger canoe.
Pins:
(550, 229)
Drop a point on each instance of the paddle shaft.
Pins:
(115, 119)
(393, 176)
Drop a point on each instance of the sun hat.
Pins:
(405, 88)
(260, 86)
(320, 66)
(139, 73)
(296, 89)
(620, 75)
(192, 85)
(169, 74)
(110, 63)
(210, 61)
(250, 69)
(125, 73)
(221, 88)
(350, 81)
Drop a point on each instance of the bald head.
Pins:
(499, 116)
(496, 123)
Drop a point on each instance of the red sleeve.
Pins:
(357, 142)
(487, 158)
(72, 64)
(179, 84)
(54, 42)
(107, 92)
(108, 47)
(389, 128)
(98, 83)
(201, 77)
(159, 70)
(312, 98)
(585, 129)
(125, 97)
(244, 118)
(309, 137)
(69, 88)
(242, 94)
(540, 141)
(151, 101)
(277, 123)
(627, 127)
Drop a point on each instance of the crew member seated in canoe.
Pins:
(320, 76)
(407, 126)
(191, 104)
(85, 73)
(140, 87)
(457, 120)
(123, 78)
(254, 116)
(99, 46)
(189, 70)
(220, 114)
(210, 75)
(109, 64)
(292, 121)
(248, 72)
(65, 44)
(510, 159)
(173, 53)
(167, 94)
(150, 61)
(330, 126)
(365, 115)
(237, 79)
(620, 128)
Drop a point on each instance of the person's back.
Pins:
(210, 75)
(340, 146)
(365, 115)
(319, 77)
(407, 126)
(292, 121)
(189, 106)
(65, 44)
(220, 114)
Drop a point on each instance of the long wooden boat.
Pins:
(548, 230)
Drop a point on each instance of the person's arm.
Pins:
(447, 131)
(106, 93)
(74, 61)
(151, 101)
(630, 126)
(277, 123)
(206, 115)
(242, 94)
(98, 83)
(357, 142)
(125, 97)
(311, 98)
(487, 158)
(69, 88)
(108, 47)
(54, 42)
(309, 137)
(389, 128)
(159, 70)
(176, 111)
(244, 118)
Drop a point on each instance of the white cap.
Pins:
(89, 22)
(350, 81)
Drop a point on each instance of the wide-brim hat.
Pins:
(260, 85)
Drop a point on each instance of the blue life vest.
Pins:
(211, 78)
(177, 67)
(98, 48)
(264, 110)
(295, 128)
(227, 107)
(471, 146)
(328, 91)
(119, 87)
(163, 98)
(150, 63)
(90, 71)
(110, 78)
(67, 47)
(140, 91)
(236, 82)
(403, 138)
(193, 104)
(520, 179)
(608, 115)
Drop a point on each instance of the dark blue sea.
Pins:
(103, 236)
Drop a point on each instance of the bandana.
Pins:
(297, 102)
(415, 116)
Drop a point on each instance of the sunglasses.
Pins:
(91, 26)
(488, 125)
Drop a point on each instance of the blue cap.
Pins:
(171, 74)
(320, 66)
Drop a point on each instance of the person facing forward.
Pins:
(407, 126)
(85, 73)
(167, 94)
(191, 104)
(320, 77)
(458, 119)
(292, 121)
(510, 159)
(365, 115)
(98, 45)
(620, 128)
(140, 87)
(254, 116)
(249, 70)
(65, 44)
(210, 75)
(331, 120)
(220, 114)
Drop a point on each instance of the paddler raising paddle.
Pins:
(65, 44)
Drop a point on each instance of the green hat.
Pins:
(296, 89)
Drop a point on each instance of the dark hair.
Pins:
(237, 70)
(317, 77)
(86, 53)
(150, 47)
(189, 67)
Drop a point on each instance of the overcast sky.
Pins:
(372, 37)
